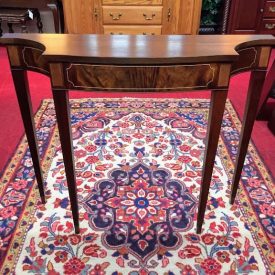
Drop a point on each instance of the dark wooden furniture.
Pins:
(19, 16)
(271, 122)
(54, 5)
(267, 92)
(252, 16)
(78, 62)
(268, 86)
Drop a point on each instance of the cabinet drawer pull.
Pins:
(112, 33)
(169, 14)
(96, 13)
(149, 18)
(270, 26)
(116, 17)
(272, 8)
(145, 33)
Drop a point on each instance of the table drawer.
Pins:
(146, 30)
(132, 2)
(269, 10)
(132, 15)
(145, 78)
(268, 26)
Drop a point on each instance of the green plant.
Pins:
(210, 11)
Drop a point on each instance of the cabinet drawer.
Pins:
(146, 30)
(269, 10)
(268, 26)
(132, 2)
(132, 15)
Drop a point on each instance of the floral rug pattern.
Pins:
(138, 166)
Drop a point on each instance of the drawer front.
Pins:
(268, 26)
(145, 30)
(132, 15)
(269, 10)
(148, 78)
(132, 2)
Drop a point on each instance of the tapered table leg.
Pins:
(253, 97)
(1, 31)
(62, 108)
(39, 21)
(218, 99)
(10, 28)
(23, 96)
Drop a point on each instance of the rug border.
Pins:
(33, 193)
(23, 136)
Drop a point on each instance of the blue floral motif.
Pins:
(139, 207)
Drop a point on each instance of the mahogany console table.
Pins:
(120, 63)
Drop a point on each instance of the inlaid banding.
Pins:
(34, 60)
(178, 77)
(247, 60)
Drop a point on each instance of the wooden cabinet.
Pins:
(252, 16)
(82, 16)
(268, 22)
(132, 16)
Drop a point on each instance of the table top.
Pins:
(138, 49)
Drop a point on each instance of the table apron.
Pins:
(140, 78)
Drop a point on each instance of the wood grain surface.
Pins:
(148, 30)
(131, 78)
(132, 2)
(139, 49)
(89, 16)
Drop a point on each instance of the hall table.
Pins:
(144, 64)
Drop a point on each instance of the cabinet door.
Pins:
(245, 16)
(83, 16)
(181, 16)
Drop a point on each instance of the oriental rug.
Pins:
(138, 166)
